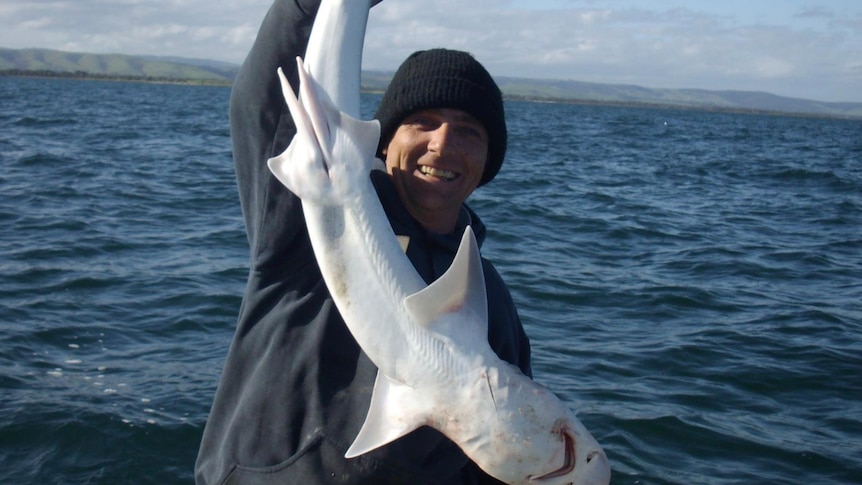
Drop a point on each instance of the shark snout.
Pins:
(597, 469)
(592, 467)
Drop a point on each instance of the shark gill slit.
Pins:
(491, 390)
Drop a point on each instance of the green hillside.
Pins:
(691, 98)
(50, 62)
(44, 62)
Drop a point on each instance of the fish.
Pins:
(428, 341)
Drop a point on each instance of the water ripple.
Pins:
(689, 281)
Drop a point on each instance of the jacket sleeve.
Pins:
(261, 127)
(505, 331)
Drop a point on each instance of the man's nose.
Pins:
(441, 138)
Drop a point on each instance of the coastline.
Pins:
(86, 76)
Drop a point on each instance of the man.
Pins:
(296, 387)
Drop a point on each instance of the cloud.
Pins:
(815, 12)
(798, 51)
(191, 28)
(676, 47)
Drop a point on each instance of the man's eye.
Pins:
(470, 130)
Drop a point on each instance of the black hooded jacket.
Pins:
(296, 387)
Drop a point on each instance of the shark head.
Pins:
(534, 437)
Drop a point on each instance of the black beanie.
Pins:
(443, 78)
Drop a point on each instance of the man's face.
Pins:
(436, 159)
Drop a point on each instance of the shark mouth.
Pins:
(440, 173)
(568, 463)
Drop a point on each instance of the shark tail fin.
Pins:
(395, 411)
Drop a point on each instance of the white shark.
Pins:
(429, 342)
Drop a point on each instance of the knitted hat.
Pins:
(443, 78)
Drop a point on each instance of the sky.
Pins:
(808, 49)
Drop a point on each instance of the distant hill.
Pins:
(112, 66)
(692, 98)
(175, 69)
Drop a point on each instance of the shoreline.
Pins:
(85, 76)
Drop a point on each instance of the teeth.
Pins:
(437, 172)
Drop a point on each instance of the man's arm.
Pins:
(261, 126)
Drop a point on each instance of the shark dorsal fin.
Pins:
(460, 292)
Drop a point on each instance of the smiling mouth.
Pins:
(439, 173)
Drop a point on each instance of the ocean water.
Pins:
(691, 282)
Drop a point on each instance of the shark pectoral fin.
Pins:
(461, 290)
(395, 411)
